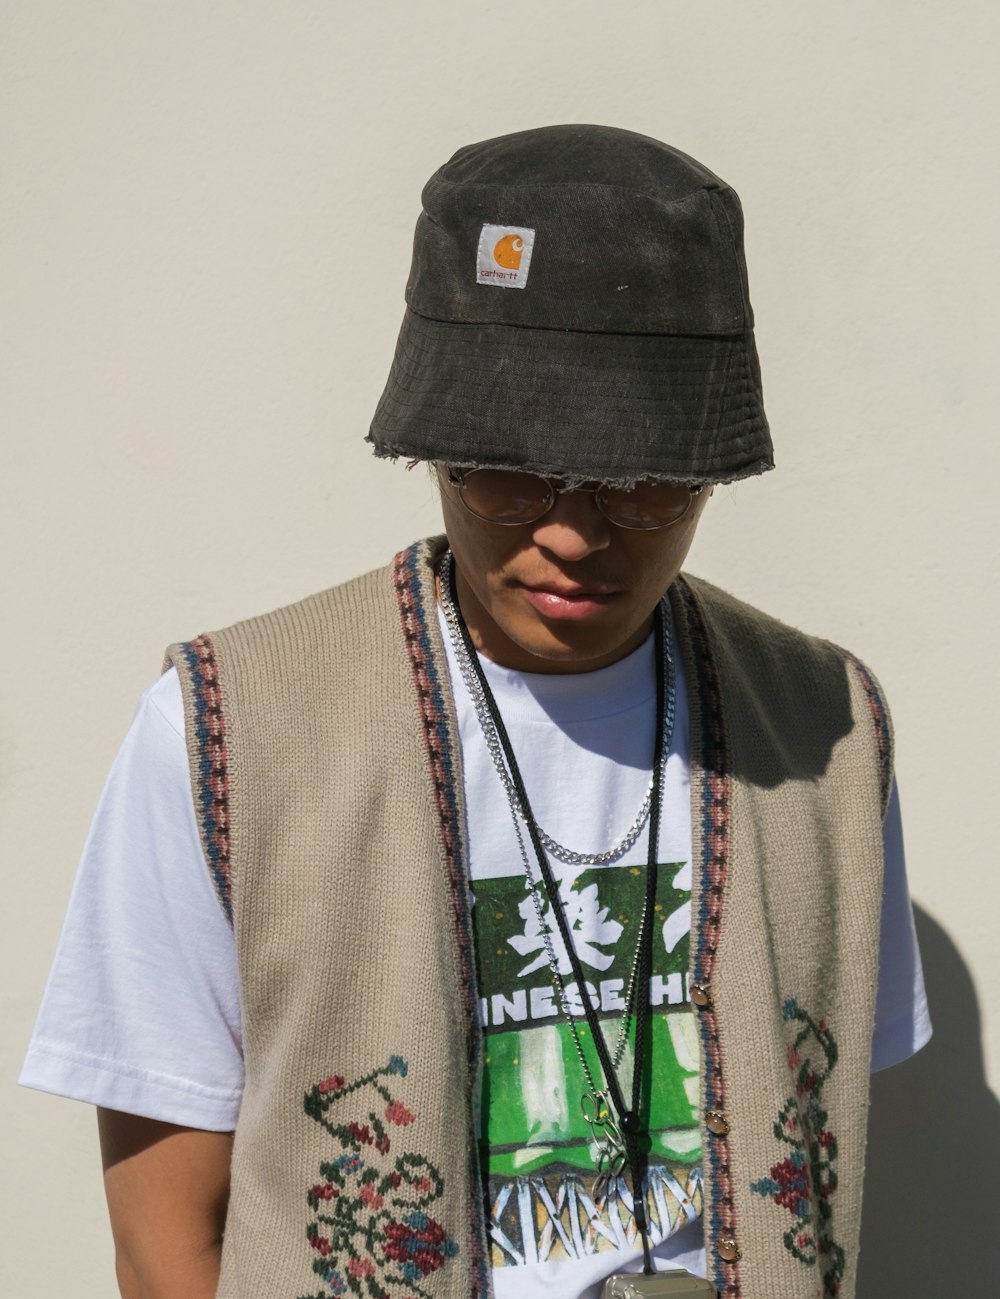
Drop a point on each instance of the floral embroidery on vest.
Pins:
(805, 1180)
(370, 1230)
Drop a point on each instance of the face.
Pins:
(570, 592)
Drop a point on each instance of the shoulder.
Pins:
(302, 685)
(796, 687)
(750, 627)
(763, 642)
(341, 625)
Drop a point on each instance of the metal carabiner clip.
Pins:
(608, 1140)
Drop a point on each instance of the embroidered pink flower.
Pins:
(789, 1185)
(419, 1243)
(790, 1123)
(368, 1251)
(804, 1181)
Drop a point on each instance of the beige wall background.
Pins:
(207, 215)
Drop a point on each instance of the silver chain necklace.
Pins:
(598, 1110)
(552, 846)
(596, 1106)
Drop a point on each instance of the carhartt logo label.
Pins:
(504, 256)
(508, 250)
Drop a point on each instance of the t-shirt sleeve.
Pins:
(141, 1011)
(902, 1021)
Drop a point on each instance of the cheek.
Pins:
(660, 561)
(479, 549)
(678, 540)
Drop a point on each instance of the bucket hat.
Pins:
(578, 306)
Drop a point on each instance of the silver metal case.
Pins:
(676, 1284)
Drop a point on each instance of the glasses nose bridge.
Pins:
(560, 489)
(571, 524)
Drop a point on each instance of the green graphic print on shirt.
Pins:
(537, 1150)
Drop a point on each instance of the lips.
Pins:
(574, 603)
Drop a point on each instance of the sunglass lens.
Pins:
(506, 495)
(646, 505)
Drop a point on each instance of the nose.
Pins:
(574, 528)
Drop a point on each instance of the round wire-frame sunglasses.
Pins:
(513, 497)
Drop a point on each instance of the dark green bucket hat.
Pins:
(578, 306)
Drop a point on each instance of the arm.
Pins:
(902, 1023)
(167, 1189)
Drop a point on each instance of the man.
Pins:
(544, 935)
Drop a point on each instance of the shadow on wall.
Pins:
(930, 1213)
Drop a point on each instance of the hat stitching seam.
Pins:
(729, 336)
(582, 184)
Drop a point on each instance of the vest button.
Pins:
(717, 1123)
(701, 994)
(728, 1249)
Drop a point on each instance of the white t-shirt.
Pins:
(584, 754)
(141, 1011)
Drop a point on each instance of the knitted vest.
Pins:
(326, 769)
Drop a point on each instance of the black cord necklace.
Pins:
(630, 1130)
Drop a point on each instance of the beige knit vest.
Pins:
(326, 772)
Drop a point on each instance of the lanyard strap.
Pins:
(630, 1118)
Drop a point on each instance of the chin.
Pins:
(572, 646)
